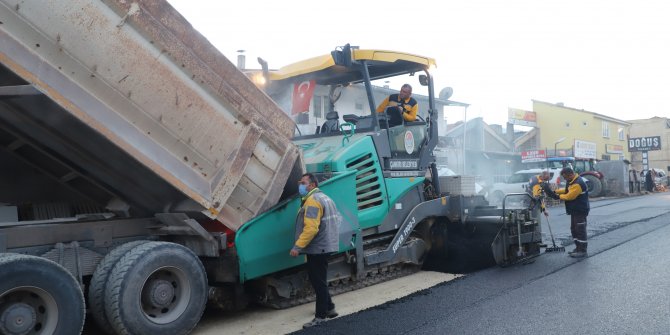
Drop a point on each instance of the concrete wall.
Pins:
(616, 176)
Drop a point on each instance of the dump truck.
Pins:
(144, 176)
(120, 123)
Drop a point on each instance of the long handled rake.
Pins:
(554, 248)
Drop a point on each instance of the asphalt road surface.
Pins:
(606, 214)
(623, 287)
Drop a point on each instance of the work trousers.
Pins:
(578, 230)
(317, 269)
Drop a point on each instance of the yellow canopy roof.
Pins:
(381, 64)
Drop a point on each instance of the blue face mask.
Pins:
(302, 189)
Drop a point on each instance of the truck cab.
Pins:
(345, 88)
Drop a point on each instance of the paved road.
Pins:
(607, 215)
(622, 288)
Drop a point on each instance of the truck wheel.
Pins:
(96, 288)
(38, 296)
(156, 288)
(594, 186)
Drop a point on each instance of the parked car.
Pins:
(518, 183)
(660, 177)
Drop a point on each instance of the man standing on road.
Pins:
(576, 197)
(316, 229)
(649, 180)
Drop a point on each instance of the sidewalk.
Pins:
(261, 320)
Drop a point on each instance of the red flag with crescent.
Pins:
(302, 95)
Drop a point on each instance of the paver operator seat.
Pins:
(332, 123)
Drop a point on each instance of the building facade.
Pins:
(566, 131)
(658, 157)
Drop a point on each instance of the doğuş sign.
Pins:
(644, 143)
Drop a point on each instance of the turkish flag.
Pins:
(302, 95)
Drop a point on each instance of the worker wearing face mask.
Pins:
(316, 230)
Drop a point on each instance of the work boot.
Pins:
(579, 254)
(331, 314)
(572, 252)
(314, 322)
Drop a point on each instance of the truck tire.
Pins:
(38, 296)
(156, 288)
(96, 288)
(594, 185)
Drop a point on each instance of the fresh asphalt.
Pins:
(606, 214)
(623, 287)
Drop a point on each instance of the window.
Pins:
(358, 105)
(318, 106)
(620, 131)
(606, 129)
(585, 124)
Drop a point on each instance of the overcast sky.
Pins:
(607, 57)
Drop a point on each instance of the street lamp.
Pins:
(556, 143)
